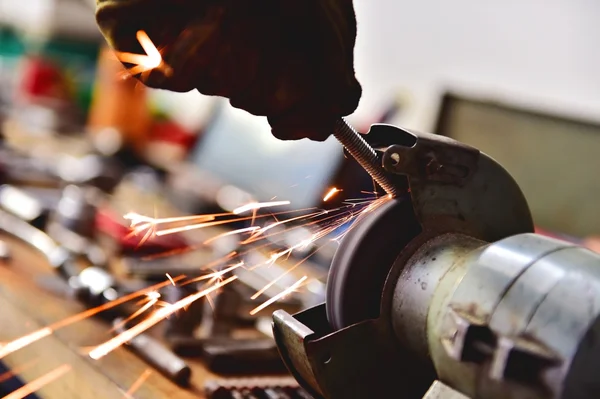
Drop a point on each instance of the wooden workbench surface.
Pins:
(25, 307)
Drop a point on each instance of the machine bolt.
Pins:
(364, 155)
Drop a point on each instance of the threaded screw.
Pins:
(366, 156)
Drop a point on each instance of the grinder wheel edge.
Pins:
(363, 260)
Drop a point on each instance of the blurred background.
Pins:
(518, 83)
(81, 146)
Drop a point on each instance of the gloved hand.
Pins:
(289, 60)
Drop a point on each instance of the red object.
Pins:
(42, 79)
(109, 223)
(559, 236)
(171, 132)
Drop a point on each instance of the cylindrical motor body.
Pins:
(518, 318)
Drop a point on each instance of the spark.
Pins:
(258, 205)
(210, 301)
(275, 280)
(372, 206)
(304, 244)
(16, 371)
(19, 343)
(171, 279)
(24, 341)
(141, 223)
(330, 194)
(159, 315)
(197, 226)
(215, 275)
(361, 200)
(149, 226)
(144, 63)
(149, 47)
(136, 219)
(138, 383)
(152, 299)
(278, 296)
(326, 220)
(231, 233)
(278, 255)
(38, 383)
(260, 231)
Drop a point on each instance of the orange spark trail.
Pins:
(214, 275)
(142, 223)
(16, 371)
(333, 215)
(260, 231)
(198, 226)
(330, 194)
(148, 46)
(278, 296)
(138, 383)
(38, 383)
(305, 243)
(151, 302)
(136, 219)
(275, 280)
(170, 279)
(258, 205)
(25, 340)
(370, 208)
(231, 233)
(19, 343)
(144, 63)
(110, 345)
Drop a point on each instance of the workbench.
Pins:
(25, 307)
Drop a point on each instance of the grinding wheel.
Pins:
(363, 261)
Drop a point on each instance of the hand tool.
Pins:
(215, 341)
(157, 355)
(447, 283)
(33, 236)
(231, 356)
(182, 324)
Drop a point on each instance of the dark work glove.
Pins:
(289, 60)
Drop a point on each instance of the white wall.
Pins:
(46, 17)
(544, 53)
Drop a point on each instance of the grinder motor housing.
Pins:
(446, 292)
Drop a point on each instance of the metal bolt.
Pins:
(364, 155)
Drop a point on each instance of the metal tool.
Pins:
(364, 155)
(157, 355)
(449, 284)
(221, 351)
(232, 356)
(35, 237)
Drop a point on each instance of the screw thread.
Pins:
(362, 152)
